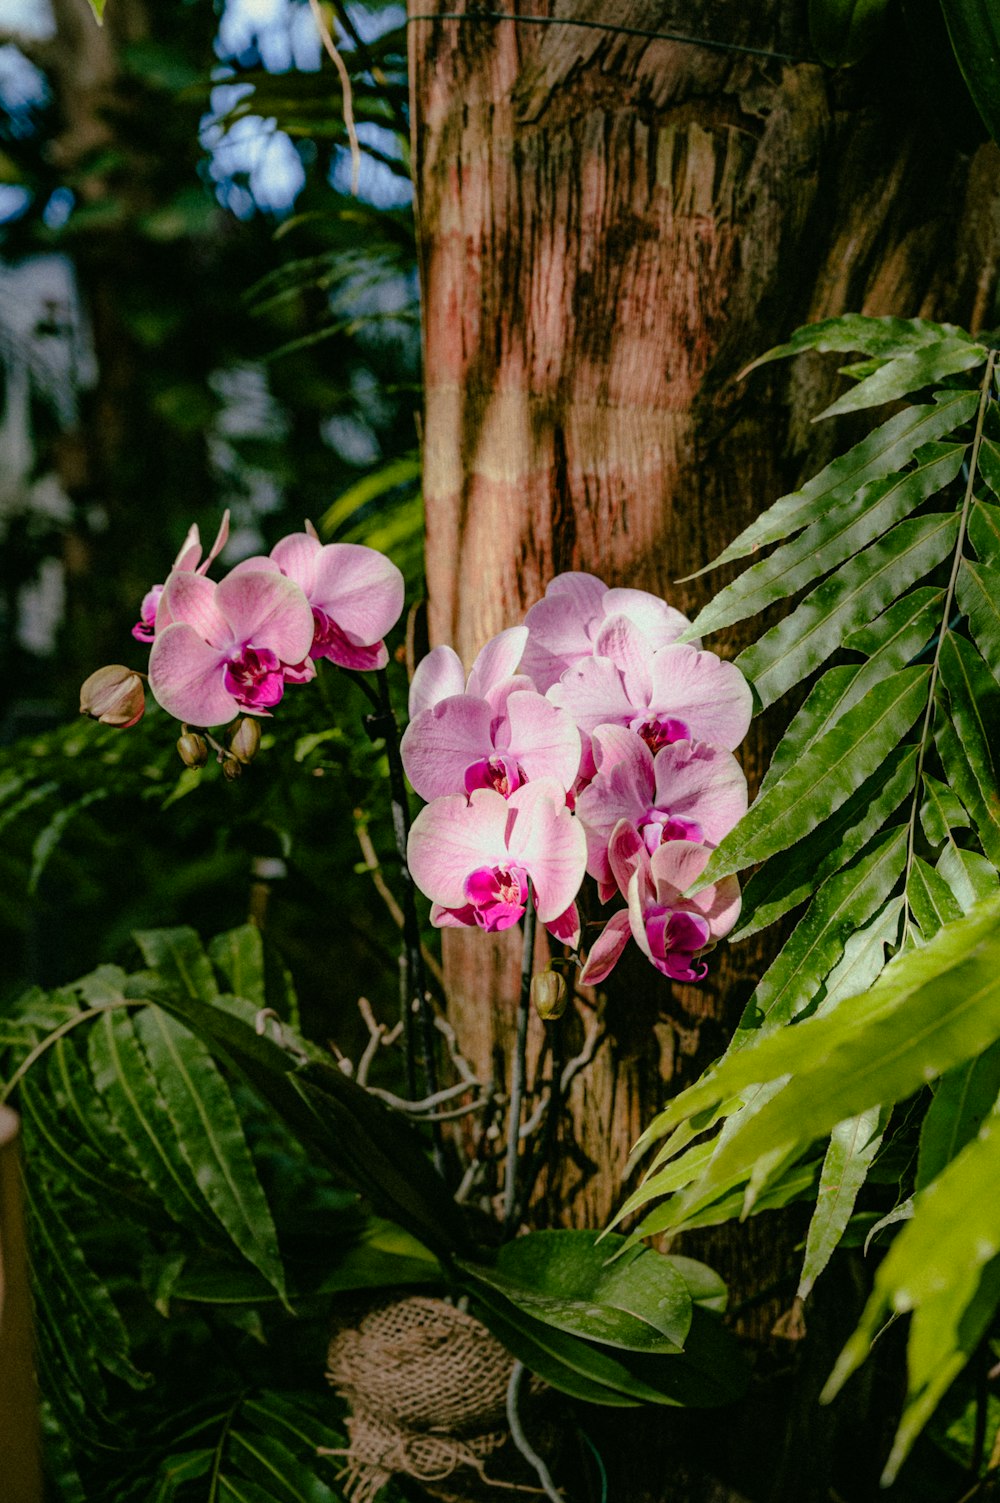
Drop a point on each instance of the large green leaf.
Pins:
(858, 592)
(882, 452)
(965, 740)
(239, 956)
(909, 373)
(564, 1278)
(831, 539)
(974, 28)
(984, 519)
(825, 776)
(210, 1137)
(853, 1145)
(179, 957)
(930, 898)
(978, 595)
(963, 1099)
(879, 338)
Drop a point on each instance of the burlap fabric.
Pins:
(427, 1387)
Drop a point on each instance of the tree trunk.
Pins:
(610, 228)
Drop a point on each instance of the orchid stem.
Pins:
(414, 985)
(519, 1068)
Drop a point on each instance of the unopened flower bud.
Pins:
(192, 749)
(114, 696)
(549, 994)
(244, 743)
(232, 769)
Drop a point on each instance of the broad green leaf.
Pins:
(402, 471)
(831, 539)
(239, 957)
(930, 898)
(842, 32)
(210, 1136)
(970, 876)
(265, 1460)
(132, 1097)
(974, 28)
(973, 699)
(883, 452)
(187, 1466)
(978, 596)
(791, 877)
(932, 1008)
(882, 338)
(704, 1285)
(562, 1361)
(858, 592)
(984, 519)
(853, 1145)
(843, 904)
(863, 959)
(825, 776)
(909, 373)
(906, 627)
(179, 957)
(565, 1279)
(941, 812)
(963, 1099)
(677, 1216)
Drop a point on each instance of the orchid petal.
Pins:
(558, 626)
(497, 661)
(607, 948)
(221, 539)
(701, 783)
(566, 927)
(191, 598)
(621, 640)
(542, 739)
(441, 743)
(358, 588)
(185, 678)
(659, 622)
(451, 838)
(627, 856)
(623, 791)
(438, 676)
(679, 863)
(358, 659)
(297, 556)
(549, 842)
(593, 693)
(709, 694)
(190, 550)
(268, 610)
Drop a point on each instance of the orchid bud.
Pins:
(232, 769)
(192, 749)
(113, 695)
(549, 994)
(244, 743)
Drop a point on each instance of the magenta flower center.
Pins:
(674, 938)
(499, 773)
(498, 896)
(328, 637)
(658, 825)
(662, 732)
(254, 677)
(144, 628)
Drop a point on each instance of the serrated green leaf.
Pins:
(863, 959)
(831, 539)
(970, 876)
(906, 626)
(881, 338)
(930, 898)
(565, 1279)
(883, 452)
(239, 957)
(825, 776)
(974, 29)
(963, 1100)
(931, 1009)
(791, 877)
(265, 1460)
(210, 1137)
(858, 592)
(978, 595)
(853, 1145)
(984, 519)
(965, 741)
(941, 812)
(907, 374)
(179, 957)
(677, 1216)
(843, 31)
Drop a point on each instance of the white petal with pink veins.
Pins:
(438, 676)
(548, 841)
(701, 783)
(298, 556)
(621, 640)
(441, 743)
(268, 610)
(192, 599)
(593, 694)
(541, 738)
(497, 661)
(453, 837)
(360, 589)
(710, 695)
(185, 675)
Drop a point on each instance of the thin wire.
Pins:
(625, 31)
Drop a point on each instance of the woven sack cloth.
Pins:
(427, 1388)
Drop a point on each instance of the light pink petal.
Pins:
(190, 549)
(606, 950)
(659, 623)
(452, 918)
(498, 696)
(585, 591)
(185, 675)
(497, 661)
(441, 743)
(725, 907)
(297, 556)
(593, 693)
(627, 855)
(542, 739)
(622, 792)
(221, 539)
(254, 565)
(453, 837)
(615, 743)
(548, 841)
(674, 866)
(360, 659)
(566, 927)
(701, 783)
(360, 589)
(621, 640)
(638, 902)
(710, 695)
(268, 610)
(559, 627)
(192, 599)
(438, 676)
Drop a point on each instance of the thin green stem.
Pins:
(956, 563)
(519, 1067)
(220, 1448)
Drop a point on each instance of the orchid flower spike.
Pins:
(492, 731)
(475, 858)
(189, 558)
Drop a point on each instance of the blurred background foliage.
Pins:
(194, 314)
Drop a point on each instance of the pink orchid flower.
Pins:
(475, 857)
(687, 791)
(666, 694)
(494, 731)
(670, 929)
(356, 595)
(563, 628)
(224, 647)
(189, 558)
